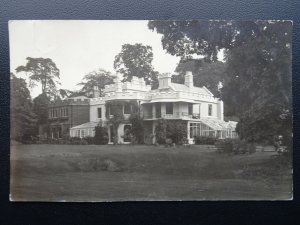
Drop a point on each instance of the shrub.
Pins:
(75, 141)
(101, 135)
(174, 130)
(160, 132)
(235, 146)
(89, 140)
(137, 129)
(169, 142)
(202, 140)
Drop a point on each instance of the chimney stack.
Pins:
(188, 79)
(96, 92)
(164, 80)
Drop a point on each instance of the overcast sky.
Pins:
(78, 47)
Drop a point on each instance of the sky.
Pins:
(79, 47)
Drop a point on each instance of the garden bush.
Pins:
(174, 130)
(89, 140)
(202, 140)
(235, 146)
(101, 135)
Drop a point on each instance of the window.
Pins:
(127, 108)
(99, 112)
(82, 133)
(66, 111)
(77, 133)
(190, 109)
(194, 130)
(209, 109)
(169, 108)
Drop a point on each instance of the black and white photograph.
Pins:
(150, 110)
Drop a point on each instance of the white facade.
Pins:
(197, 106)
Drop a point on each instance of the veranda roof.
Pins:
(87, 125)
(172, 100)
(215, 124)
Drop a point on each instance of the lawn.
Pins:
(125, 172)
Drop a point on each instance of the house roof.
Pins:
(90, 124)
(79, 97)
(182, 87)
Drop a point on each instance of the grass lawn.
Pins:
(125, 172)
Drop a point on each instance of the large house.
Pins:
(195, 106)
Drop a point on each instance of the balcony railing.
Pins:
(175, 115)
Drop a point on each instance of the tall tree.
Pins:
(136, 60)
(40, 108)
(258, 54)
(98, 78)
(43, 71)
(23, 119)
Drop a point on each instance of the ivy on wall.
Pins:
(115, 115)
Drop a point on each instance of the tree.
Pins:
(210, 75)
(195, 37)
(136, 60)
(98, 78)
(23, 119)
(40, 108)
(101, 135)
(42, 71)
(258, 55)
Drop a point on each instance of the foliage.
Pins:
(137, 128)
(202, 140)
(160, 131)
(42, 71)
(98, 78)
(64, 93)
(174, 130)
(194, 37)
(101, 135)
(40, 108)
(136, 60)
(114, 113)
(23, 119)
(235, 146)
(210, 75)
(89, 140)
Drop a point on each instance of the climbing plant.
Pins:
(115, 115)
(137, 128)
